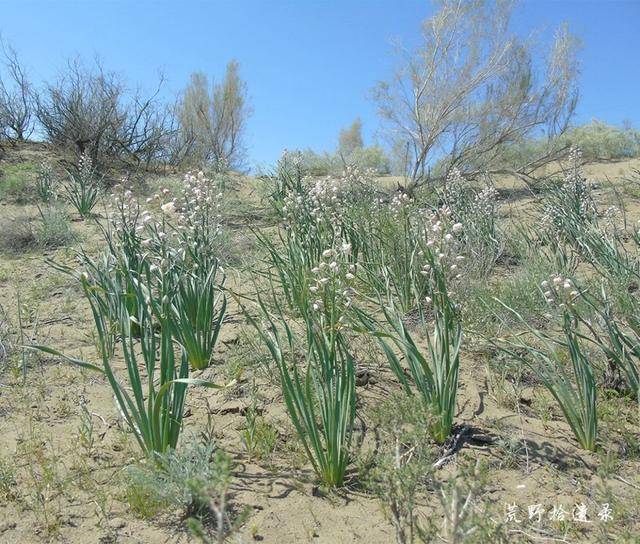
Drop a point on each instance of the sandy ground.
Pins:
(64, 492)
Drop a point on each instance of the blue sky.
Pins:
(309, 64)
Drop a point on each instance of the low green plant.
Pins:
(519, 290)
(194, 479)
(199, 309)
(401, 468)
(466, 518)
(183, 478)
(86, 434)
(82, 187)
(155, 409)
(619, 340)
(258, 437)
(8, 484)
(53, 228)
(16, 182)
(575, 391)
(46, 183)
(147, 293)
(432, 372)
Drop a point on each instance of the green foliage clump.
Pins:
(17, 182)
(186, 478)
(597, 140)
(258, 437)
(402, 467)
(82, 188)
(350, 153)
(151, 289)
(7, 479)
(600, 141)
(54, 228)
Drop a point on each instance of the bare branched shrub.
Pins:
(80, 110)
(89, 110)
(15, 98)
(472, 89)
(145, 135)
(212, 120)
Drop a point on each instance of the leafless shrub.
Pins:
(16, 106)
(90, 111)
(471, 90)
(16, 234)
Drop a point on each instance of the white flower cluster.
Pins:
(477, 211)
(560, 290)
(325, 192)
(125, 213)
(441, 252)
(454, 188)
(484, 203)
(46, 170)
(290, 158)
(332, 280)
(442, 246)
(326, 201)
(399, 202)
(200, 204)
(329, 198)
(354, 175)
(612, 218)
(85, 166)
(295, 207)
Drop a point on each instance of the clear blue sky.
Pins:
(309, 64)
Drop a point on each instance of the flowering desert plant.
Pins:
(198, 299)
(314, 217)
(618, 339)
(478, 211)
(152, 401)
(572, 223)
(575, 389)
(45, 182)
(153, 296)
(320, 390)
(82, 187)
(433, 373)
(392, 238)
(198, 214)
